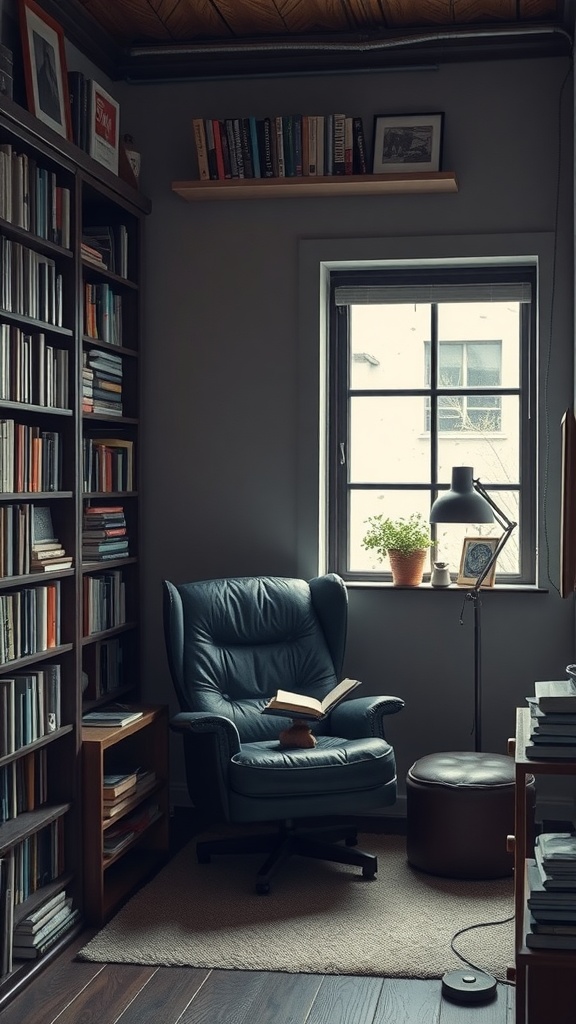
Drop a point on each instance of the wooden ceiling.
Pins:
(166, 39)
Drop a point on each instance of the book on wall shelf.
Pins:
(298, 705)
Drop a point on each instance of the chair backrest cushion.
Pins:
(233, 642)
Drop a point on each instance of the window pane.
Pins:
(484, 362)
(387, 441)
(494, 457)
(492, 323)
(392, 504)
(387, 349)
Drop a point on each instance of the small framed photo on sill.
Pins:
(45, 71)
(476, 553)
(407, 143)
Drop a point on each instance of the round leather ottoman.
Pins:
(460, 809)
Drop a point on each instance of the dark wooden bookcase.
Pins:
(96, 198)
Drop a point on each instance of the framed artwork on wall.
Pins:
(476, 553)
(407, 143)
(45, 71)
(104, 127)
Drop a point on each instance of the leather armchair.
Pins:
(231, 644)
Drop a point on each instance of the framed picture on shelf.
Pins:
(407, 143)
(45, 68)
(476, 553)
(104, 127)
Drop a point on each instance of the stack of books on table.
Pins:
(553, 720)
(552, 899)
(119, 791)
(36, 933)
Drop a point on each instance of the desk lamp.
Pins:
(467, 501)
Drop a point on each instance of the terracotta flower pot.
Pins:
(407, 570)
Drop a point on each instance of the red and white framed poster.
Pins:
(104, 131)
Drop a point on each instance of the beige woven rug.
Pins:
(319, 918)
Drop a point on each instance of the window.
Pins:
(472, 364)
(430, 369)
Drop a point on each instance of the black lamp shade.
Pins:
(462, 503)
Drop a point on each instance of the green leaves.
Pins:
(404, 535)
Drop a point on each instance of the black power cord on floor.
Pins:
(475, 985)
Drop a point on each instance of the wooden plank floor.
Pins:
(73, 992)
(70, 991)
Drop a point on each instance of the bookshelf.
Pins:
(326, 186)
(537, 972)
(51, 644)
(109, 880)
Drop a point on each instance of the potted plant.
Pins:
(404, 541)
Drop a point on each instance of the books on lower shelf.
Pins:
(109, 718)
(551, 901)
(122, 834)
(115, 806)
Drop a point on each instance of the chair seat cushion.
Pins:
(334, 765)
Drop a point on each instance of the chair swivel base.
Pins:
(321, 844)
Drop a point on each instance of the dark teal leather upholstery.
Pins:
(232, 643)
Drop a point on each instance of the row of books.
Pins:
(102, 313)
(23, 784)
(104, 602)
(30, 621)
(102, 382)
(31, 198)
(279, 147)
(32, 371)
(104, 533)
(29, 706)
(106, 246)
(552, 892)
(552, 720)
(108, 464)
(30, 283)
(30, 458)
(24, 548)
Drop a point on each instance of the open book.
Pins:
(298, 705)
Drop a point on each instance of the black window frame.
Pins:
(340, 392)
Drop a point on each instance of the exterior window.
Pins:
(473, 364)
(430, 369)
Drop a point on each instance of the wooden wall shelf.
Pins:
(332, 185)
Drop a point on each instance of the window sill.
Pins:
(515, 588)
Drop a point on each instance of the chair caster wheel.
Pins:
(262, 888)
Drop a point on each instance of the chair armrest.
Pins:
(205, 722)
(210, 741)
(363, 716)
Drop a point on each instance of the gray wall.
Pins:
(225, 377)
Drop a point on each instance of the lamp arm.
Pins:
(507, 525)
(500, 515)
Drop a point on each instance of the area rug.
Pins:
(319, 918)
